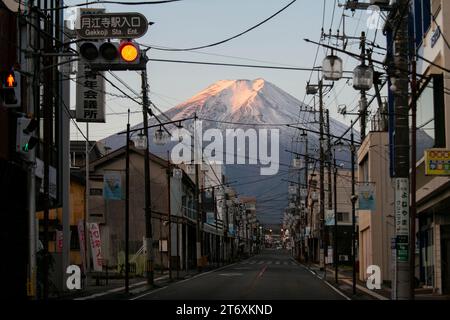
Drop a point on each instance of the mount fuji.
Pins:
(245, 104)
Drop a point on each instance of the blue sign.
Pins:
(366, 196)
(112, 185)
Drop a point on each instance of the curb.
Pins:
(359, 287)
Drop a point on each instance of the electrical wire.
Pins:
(124, 3)
(230, 38)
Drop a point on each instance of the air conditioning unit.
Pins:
(343, 257)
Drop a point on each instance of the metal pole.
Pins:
(413, 208)
(33, 109)
(353, 199)
(178, 248)
(86, 211)
(48, 116)
(169, 215)
(148, 200)
(336, 256)
(127, 208)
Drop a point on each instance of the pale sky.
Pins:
(279, 42)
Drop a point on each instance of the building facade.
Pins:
(431, 29)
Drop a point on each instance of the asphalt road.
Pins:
(271, 275)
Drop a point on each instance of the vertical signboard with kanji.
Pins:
(402, 218)
(96, 246)
(90, 103)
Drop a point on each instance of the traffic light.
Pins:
(10, 89)
(104, 56)
(25, 139)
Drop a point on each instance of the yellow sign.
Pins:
(437, 162)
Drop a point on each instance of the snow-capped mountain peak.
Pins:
(244, 100)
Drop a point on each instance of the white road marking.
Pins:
(104, 293)
(149, 293)
(338, 291)
(185, 280)
(269, 262)
(260, 262)
(278, 262)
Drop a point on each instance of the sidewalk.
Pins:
(345, 285)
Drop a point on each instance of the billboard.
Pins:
(437, 162)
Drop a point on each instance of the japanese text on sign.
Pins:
(112, 25)
(90, 95)
(402, 206)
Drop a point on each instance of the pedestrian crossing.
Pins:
(268, 262)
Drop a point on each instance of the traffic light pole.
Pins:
(148, 200)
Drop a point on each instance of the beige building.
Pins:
(376, 228)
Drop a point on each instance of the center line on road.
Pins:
(262, 272)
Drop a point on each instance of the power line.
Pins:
(230, 38)
(236, 65)
(125, 3)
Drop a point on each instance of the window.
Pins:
(422, 19)
(364, 167)
(431, 129)
(343, 217)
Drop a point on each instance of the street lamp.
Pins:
(332, 67)
(159, 138)
(363, 78)
(140, 142)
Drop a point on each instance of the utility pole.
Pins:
(321, 179)
(169, 214)
(148, 200)
(48, 116)
(329, 156)
(363, 99)
(127, 208)
(401, 151)
(197, 201)
(353, 199)
(413, 209)
(335, 250)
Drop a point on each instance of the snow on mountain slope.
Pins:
(259, 104)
